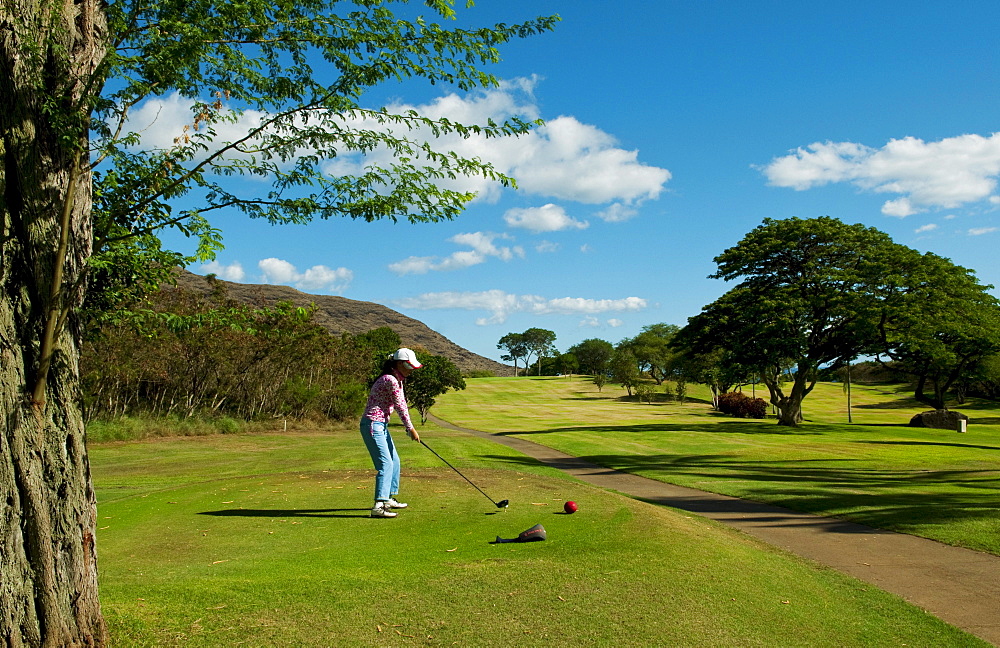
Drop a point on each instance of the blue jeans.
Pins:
(384, 456)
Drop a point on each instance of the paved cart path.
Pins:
(959, 586)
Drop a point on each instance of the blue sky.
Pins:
(672, 129)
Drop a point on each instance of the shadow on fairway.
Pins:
(933, 443)
(904, 402)
(716, 427)
(288, 513)
(887, 499)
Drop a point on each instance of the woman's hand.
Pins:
(413, 434)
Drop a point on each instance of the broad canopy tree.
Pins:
(594, 355)
(541, 343)
(715, 368)
(82, 201)
(532, 342)
(436, 377)
(819, 293)
(516, 347)
(625, 369)
(946, 328)
(653, 352)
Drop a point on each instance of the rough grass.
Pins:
(264, 540)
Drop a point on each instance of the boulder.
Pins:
(938, 419)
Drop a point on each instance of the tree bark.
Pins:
(49, 52)
(789, 406)
(790, 411)
(935, 401)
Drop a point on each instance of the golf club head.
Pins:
(534, 534)
(503, 504)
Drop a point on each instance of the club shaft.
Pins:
(459, 472)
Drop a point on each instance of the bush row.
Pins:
(181, 353)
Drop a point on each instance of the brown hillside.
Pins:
(342, 315)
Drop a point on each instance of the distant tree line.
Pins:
(815, 298)
(179, 352)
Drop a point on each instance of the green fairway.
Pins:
(939, 484)
(264, 540)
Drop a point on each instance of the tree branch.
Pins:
(54, 311)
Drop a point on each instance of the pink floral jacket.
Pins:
(385, 396)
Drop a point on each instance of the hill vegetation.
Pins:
(340, 315)
(199, 352)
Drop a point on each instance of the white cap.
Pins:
(407, 356)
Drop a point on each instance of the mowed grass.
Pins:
(938, 484)
(264, 540)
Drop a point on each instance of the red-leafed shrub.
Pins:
(740, 405)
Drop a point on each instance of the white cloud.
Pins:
(483, 247)
(563, 159)
(317, 278)
(945, 174)
(593, 322)
(160, 119)
(482, 242)
(617, 213)
(547, 218)
(414, 265)
(546, 246)
(232, 272)
(500, 304)
(930, 227)
(163, 122)
(570, 160)
(979, 231)
(901, 207)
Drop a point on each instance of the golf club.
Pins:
(501, 504)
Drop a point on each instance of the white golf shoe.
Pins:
(381, 510)
(393, 504)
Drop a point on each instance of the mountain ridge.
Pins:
(342, 315)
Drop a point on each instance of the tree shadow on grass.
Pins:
(716, 427)
(291, 513)
(899, 403)
(901, 500)
(933, 443)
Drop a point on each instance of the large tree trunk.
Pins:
(49, 50)
(790, 411)
(936, 399)
(789, 405)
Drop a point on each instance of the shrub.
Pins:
(228, 425)
(644, 392)
(740, 405)
(182, 353)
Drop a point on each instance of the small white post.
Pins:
(962, 425)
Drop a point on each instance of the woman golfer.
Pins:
(387, 394)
